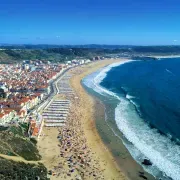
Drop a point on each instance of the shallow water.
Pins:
(143, 97)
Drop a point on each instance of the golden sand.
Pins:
(102, 164)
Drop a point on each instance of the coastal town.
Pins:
(26, 86)
(40, 95)
(63, 142)
(89, 90)
(49, 99)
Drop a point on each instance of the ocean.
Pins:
(142, 98)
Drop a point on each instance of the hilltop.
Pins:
(55, 53)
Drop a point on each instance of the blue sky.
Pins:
(124, 22)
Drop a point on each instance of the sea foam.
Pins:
(163, 153)
(102, 74)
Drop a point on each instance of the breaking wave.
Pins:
(162, 152)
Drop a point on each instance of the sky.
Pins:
(120, 22)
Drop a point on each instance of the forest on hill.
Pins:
(55, 53)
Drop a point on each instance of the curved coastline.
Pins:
(115, 145)
(107, 162)
(134, 134)
(103, 164)
(113, 159)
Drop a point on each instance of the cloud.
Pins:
(175, 40)
(58, 36)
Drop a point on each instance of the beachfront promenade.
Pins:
(47, 99)
(69, 145)
(60, 115)
(56, 112)
(55, 87)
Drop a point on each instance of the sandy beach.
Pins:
(86, 109)
(79, 152)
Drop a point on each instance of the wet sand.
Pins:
(80, 153)
(121, 155)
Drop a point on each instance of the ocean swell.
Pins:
(163, 153)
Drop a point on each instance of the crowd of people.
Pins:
(77, 162)
(75, 153)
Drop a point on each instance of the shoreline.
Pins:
(163, 57)
(107, 162)
(84, 110)
(111, 138)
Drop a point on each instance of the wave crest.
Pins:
(164, 154)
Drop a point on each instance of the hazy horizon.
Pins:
(33, 44)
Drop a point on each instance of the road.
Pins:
(46, 101)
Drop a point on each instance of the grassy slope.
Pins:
(14, 142)
(55, 55)
(19, 156)
(11, 170)
(59, 53)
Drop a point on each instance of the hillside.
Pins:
(12, 170)
(55, 53)
(52, 54)
(19, 156)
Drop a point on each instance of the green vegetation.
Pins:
(11, 170)
(14, 142)
(12, 56)
(33, 140)
(55, 53)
